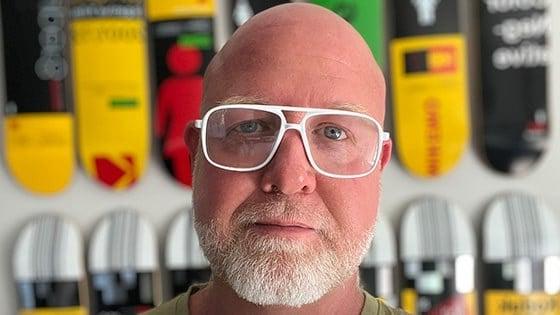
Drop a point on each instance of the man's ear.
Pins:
(386, 153)
(192, 140)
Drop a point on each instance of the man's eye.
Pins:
(249, 127)
(334, 133)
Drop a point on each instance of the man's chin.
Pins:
(266, 243)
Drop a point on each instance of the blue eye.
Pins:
(334, 133)
(249, 127)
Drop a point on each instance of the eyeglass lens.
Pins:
(244, 138)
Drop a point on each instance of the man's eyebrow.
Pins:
(353, 107)
(358, 108)
(243, 100)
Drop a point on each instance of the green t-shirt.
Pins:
(179, 305)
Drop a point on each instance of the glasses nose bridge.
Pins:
(294, 126)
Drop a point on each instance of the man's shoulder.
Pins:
(375, 306)
(172, 307)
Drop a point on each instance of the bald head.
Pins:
(297, 54)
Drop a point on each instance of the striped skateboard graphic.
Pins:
(48, 268)
(521, 257)
(368, 17)
(377, 270)
(123, 265)
(182, 39)
(38, 131)
(429, 85)
(514, 67)
(110, 80)
(438, 255)
(183, 257)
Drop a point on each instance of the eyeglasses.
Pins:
(245, 137)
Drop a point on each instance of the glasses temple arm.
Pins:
(198, 123)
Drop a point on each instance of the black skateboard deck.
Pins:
(48, 267)
(438, 255)
(378, 267)
(521, 257)
(123, 265)
(242, 10)
(38, 127)
(514, 59)
(183, 257)
(182, 41)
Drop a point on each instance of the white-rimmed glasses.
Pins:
(245, 137)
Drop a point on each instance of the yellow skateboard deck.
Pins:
(40, 150)
(111, 91)
(56, 311)
(430, 102)
(38, 135)
(162, 10)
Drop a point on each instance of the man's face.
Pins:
(286, 234)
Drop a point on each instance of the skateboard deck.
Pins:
(521, 257)
(514, 84)
(183, 257)
(377, 270)
(111, 88)
(181, 35)
(368, 17)
(429, 85)
(123, 265)
(242, 10)
(438, 254)
(48, 268)
(38, 135)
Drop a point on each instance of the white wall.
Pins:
(471, 185)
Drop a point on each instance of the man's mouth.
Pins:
(282, 228)
(284, 224)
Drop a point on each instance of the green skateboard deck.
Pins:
(368, 17)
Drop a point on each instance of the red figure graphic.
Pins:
(178, 102)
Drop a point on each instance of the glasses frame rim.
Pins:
(279, 110)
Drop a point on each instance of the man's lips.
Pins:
(283, 224)
(282, 228)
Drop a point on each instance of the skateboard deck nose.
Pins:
(438, 253)
(183, 255)
(379, 265)
(48, 267)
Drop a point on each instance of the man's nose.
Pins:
(289, 171)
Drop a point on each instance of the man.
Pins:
(287, 163)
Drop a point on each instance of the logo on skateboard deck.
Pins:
(426, 11)
(117, 173)
(438, 59)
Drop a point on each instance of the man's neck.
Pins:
(219, 298)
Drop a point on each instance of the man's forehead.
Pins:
(353, 107)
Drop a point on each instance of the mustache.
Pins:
(281, 208)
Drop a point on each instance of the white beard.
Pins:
(267, 270)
